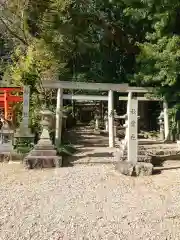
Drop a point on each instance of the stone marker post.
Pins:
(132, 136)
(111, 118)
(26, 95)
(59, 116)
(166, 120)
(131, 165)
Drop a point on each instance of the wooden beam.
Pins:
(85, 97)
(12, 99)
(86, 86)
(11, 89)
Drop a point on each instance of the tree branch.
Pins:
(13, 33)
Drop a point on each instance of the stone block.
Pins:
(125, 168)
(143, 169)
(138, 169)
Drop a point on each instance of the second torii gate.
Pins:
(60, 85)
(165, 109)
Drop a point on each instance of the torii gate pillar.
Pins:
(111, 118)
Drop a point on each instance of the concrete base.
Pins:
(143, 169)
(138, 169)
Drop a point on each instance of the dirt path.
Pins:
(92, 148)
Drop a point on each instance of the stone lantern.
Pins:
(44, 154)
(6, 133)
(97, 118)
(47, 116)
(106, 122)
(161, 125)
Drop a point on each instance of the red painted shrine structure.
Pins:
(8, 97)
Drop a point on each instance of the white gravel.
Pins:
(87, 202)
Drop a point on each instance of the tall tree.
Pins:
(158, 61)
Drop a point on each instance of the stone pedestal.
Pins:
(23, 141)
(44, 154)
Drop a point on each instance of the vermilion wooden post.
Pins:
(6, 105)
(6, 99)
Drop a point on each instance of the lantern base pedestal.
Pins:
(44, 154)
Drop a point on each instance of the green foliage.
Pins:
(103, 41)
(158, 61)
(23, 145)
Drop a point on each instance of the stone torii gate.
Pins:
(60, 85)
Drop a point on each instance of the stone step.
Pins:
(141, 158)
(153, 152)
(140, 152)
(149, 142)
(167, 157)
(165, 146)
(165, 152)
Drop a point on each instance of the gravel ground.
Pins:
(87, 202)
